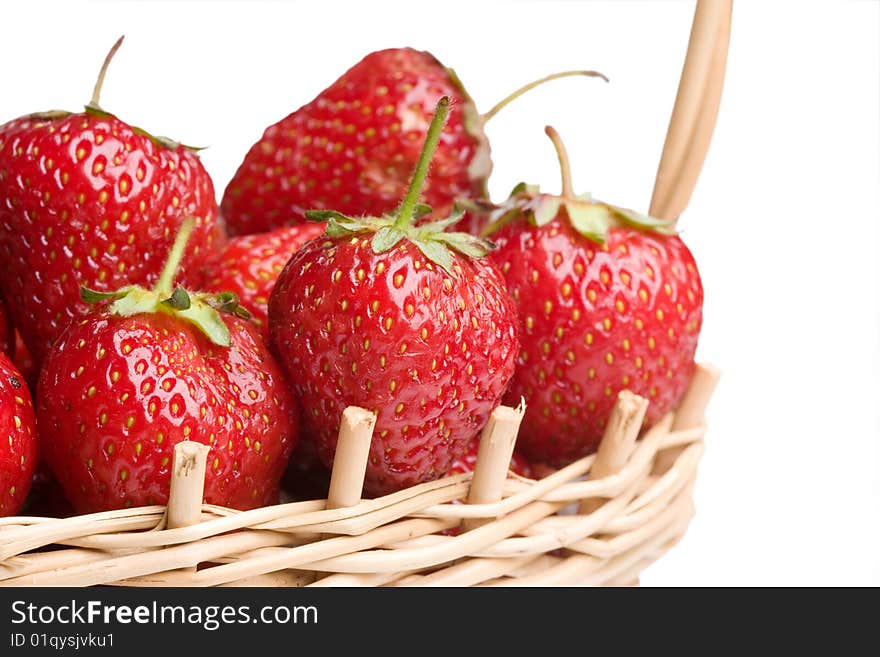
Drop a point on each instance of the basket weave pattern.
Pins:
(568, 527)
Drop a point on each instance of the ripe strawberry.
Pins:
(468, 461)
(18, 447)
(124, 384)
(607, 300)
(406, 321)
(86, 199)
(353, 147)
(25, 363)
(250, 264)
(7, 333)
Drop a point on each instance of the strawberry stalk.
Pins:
(200, 309)
(172, 263)
(94, 106)
(504, 102)
(590, 217)
(96, 94)
(432, 238)
(564, 164)
(405, 213)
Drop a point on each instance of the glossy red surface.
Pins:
(86, 200)
(593, 321)
(18, 438)
(354, 147)
(393, 333)
(249, 265)
(116, 394)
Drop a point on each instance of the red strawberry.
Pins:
(468, 461)
(354, 146)
(86, 199)
(250, 264)
(18, 446)
(606, 302)
(25, 362)
(406, 321)
(7, 333)
(124, 384)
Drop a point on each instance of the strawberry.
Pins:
(468, 461)
(353, 147)
(249, 265)
(607, 299)
(18, 448)
(87, 199)
(25, 362)
(125, 383)
(7, 333)
(406, 321)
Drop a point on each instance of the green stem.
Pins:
(564, 166)
(96, 94)
(531, 85)
(166, 279)
(404, 215)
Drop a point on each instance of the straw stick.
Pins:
(692, 410)
(493, 459)
(187, 484)
(618, 440)
(350, 460)
(698, 90)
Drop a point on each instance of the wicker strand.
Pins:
(350, 462)
(695, 110)
(187, 488)
(493, 459)
(691, 411)
(618, 441)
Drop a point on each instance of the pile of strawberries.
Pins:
(355, 259)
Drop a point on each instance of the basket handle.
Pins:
(695, 111)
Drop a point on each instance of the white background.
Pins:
(784, 222)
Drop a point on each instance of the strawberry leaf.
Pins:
(386, 238)
(442, 224)
(589, 219)
(179, 299)
(93, 296)
(326, 215)
(208, 320)
(421, 210)
(226, 302)
(545, 209)
(437, 253)
(466, 243)
(342, 227)
(643, 221)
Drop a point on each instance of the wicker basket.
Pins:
(600, 520)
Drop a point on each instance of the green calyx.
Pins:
(588, 216)
(94, 106)
(388, 230)
(201, 309)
